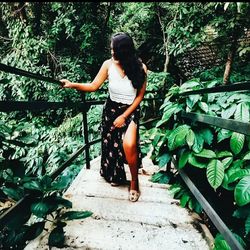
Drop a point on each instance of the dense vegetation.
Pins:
(71, 40)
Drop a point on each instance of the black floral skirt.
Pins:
(113, 156)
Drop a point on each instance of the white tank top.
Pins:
(120, 88)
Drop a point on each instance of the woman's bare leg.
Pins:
(130, 150)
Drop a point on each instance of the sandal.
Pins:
(134, 194)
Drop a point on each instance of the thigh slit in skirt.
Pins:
(113, 156)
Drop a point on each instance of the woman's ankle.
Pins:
(134, 184)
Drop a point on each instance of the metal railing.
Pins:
(230, 124)
(83, 107)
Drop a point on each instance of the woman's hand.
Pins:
(119, 121)
(66, 83)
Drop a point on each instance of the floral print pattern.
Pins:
(113, 157)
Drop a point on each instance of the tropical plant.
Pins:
(47, 206)
(222, 154)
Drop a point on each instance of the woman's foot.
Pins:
(134, 192)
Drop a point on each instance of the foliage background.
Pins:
(71, 40)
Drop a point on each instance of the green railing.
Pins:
(83, 107)
(230, 124)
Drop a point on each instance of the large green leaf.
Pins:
(184, 199)
(227, 113)
(160, 177)
(227, 161)
(203, 106)
(56, 237)
(59, 201)
(215, 173)
(168, 113)
(14, 193)
(190, 138)
(198, 143)
(197, 206)
(48, 205)
(195, 162)
(33, 185)
(177, 137)
(247, 156)
(238, 174)
(192, 100)
(183, 159)
(237, 142)
(190, 84)
(225, 183)
(220, 243)
(207, 135)
(242, 191)
(157, 137)
(180, 139)
(166, 103)
(46, 182)
(164, 159)
(206, 153)
(223, 134)
(175, 188)
(73, 215)
(40, 209)
(234, 167)
(237, 96)
(242, 112)
(222, 154)
(62, 183)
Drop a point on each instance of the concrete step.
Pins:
(155, 221)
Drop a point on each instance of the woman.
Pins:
(120, 121)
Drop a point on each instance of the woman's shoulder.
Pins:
(107, 63)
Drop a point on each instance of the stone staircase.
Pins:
(155, 221)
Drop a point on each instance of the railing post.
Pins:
(85, 130)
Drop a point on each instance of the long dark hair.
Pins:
(125, 53)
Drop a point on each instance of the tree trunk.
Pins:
(229, 63)
(165, 40)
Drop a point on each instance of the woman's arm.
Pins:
(119, 121)
(89, 87)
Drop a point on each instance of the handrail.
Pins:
(231, 87)
(217, 221)
(230, 124)
(16, 71)
(21, 72)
